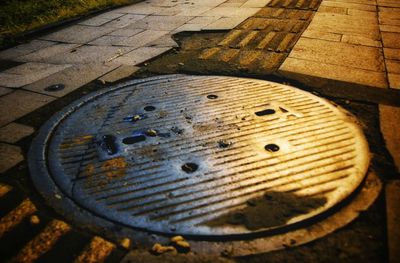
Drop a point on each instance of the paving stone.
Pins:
(392, 66)
(10, 156)
(388, 21)
(345, 24)
(164, 41)
(119, 73)
(338, 53)
(161, 23)
(225, 23)
(256, 3)
(109, 40)
(322, 35)
(73, 78)
(204, 20)
(389, 117)
(141, 9)
(28, 73)
(333, 9)
(360, 40)
(78, 34)
(25, 49)
(14, 132)
(194, 11)
(363, 2)
(188, 27)
(4, 91)
(389, 3)
(90, 54)
(389, 28)
(394, 80)
(44, 53)
(364, 7)
(390, 14)
(392, 53)
(392, 197)
(232, 11)
(124, 21)
(140, 55)
(19, 103)
(125, 32)
(362, 13)
(306, 71)
(231, 5)
(391, 40)
(100, 19)
(143, 38)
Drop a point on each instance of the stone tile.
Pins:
(73, 78)
(392, 197)
(393, 66)
(389, 118)
(42, 54)
(194, 11)
(123, 32)
(345, 24)
(189, 27)
(100, 19)
(109, 40)
(362, 2)
(118, 73)
(231, 4)
(140, 55)
(143, 38)
(394, 80)
(256, 3)
(204, 20)
(333, 9)
(10, 156)
(364, 7)
(322, 35)
(388, 28)
(233, 11)
(90, 54)
(391, 40)
(142, 8)
(338, 53)
(390, 14)
(388, 21)
(362, 13)
(305, 70)
(164, 41)
(212, 3)
(78, 34)
(4, 91)
(161, 23)
(14, 132)
(25, 49)
(19, 103)
(28, 73)
(389, 3)
(124, 21)
(391, 53)
(360, 40)
(225, 23)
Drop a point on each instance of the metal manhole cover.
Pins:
(201, 155)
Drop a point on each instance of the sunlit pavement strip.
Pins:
(97, 251)
(12, 219)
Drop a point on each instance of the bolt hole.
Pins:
(212, 97)
(271, 148)
(265, 112)
(55, 87)
(134, 139)
(149, 108)
(190, 167)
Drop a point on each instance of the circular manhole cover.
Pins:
(201, 155)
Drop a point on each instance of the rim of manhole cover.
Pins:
(200, 156)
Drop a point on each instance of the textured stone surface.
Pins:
(140, 55)
(44, 53)
(225, 23)
(78, 34)
(101, 19)
(394, 80)
(389, 117)
(19, 103)
(4, 91)
(14, 132)
(124, 21)
(391, 39)
(143, 38)
(10, 156)
(160, 23)
(25, 49)
(392, 196)
(118, 73)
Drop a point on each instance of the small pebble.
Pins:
(125, 243)
(177, 238)
(136, 117)
(151, 133)
(160, 249)
(34, 220)
(182, 246)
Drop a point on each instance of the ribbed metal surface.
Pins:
(186, 154)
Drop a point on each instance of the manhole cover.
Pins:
(201, 155)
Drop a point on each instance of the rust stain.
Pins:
(76, 141)
(115, 167)
(89, 169)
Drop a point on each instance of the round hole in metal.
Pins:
(271, 147)
(149, 108)
(325, 159)
(55, 87)
(212, 96)
(189, 168)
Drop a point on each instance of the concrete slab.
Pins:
(392, 197)
(100, 19)
(124, 21)
(143, 38)
(19, 103)
(164, 41)
(393, 66)
(394, 80)
(123, 32)
(44, 53)
(78, 34)
(28, 73)
(142, 8)
(364, 7)
(10, 156)
(255, 3)
(322, 35)
(4, 91)
(391, 39)
(389, 28)
(338, 53)
(25, 49)
(14, 132)
(73, 78)
(392, 53)
(119, 73)
(140, 55)
(225, 23)
(160, 23)
(361, 40)
(232, 11)
(204, 20)
(309, 72)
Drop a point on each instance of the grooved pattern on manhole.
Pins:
(263, 41)
(202, 155)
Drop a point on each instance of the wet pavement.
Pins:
(345, 51)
